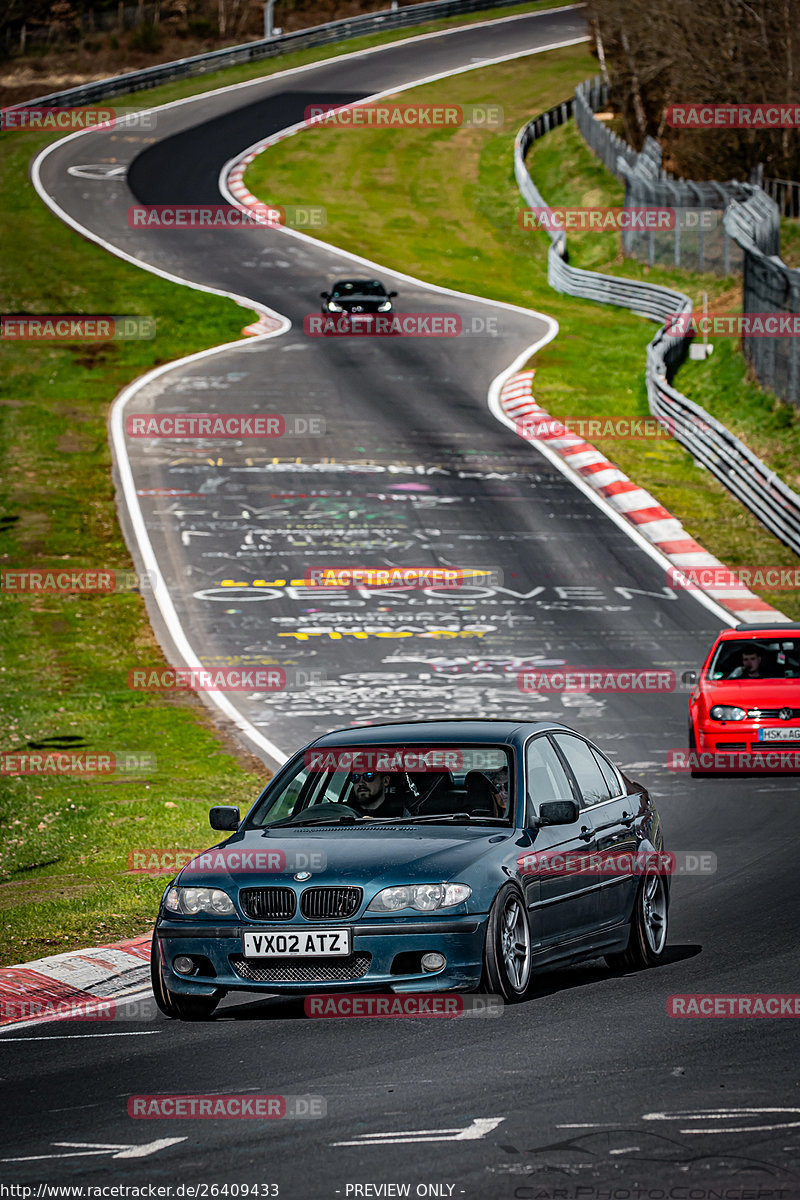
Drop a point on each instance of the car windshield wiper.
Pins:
(462, 816)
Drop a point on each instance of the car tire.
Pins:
(647, 942)
(507, 954)
(171, 1004)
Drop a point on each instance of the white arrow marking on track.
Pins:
(478, 1128)
(727, 1114)
(116, 1151)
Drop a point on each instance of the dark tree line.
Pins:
(705, 51)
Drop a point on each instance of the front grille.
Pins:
(290, 970)
(731, 745)
(773, 714)
(268, 903)
(764, 747)
(330, 903)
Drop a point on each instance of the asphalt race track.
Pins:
(590, 1085)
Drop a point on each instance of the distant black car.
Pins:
(360, 297)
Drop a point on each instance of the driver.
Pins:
(751, 663)
(370, 795)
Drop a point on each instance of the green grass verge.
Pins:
(443, 204)
(65, 658)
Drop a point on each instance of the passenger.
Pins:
(498, 782)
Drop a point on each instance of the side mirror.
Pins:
(392, 295)
(558, 812)
(224, 816)
(689, 677)
(325, 295)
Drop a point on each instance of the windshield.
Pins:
(394, 783)
(357, 287)
(757, 658)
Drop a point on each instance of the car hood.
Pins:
(354, 855)
(363, 303)
(753, 693)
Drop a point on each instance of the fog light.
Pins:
(433, 962)
(184, 965)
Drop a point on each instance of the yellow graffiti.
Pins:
(360, 635)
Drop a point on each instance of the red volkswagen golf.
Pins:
(746, 699)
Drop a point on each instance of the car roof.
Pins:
(745, 632)
(782, 627)
(465, 729)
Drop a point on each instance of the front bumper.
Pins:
(736, 745)
(373, 963)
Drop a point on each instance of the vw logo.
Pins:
(785, 714)
(301, 876)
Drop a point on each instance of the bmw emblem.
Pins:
(301, 876)
(785, 714)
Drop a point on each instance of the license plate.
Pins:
(790, 734)
(287, 943)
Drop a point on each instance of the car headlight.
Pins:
(727, 712)
(192, 900)
(334, 307)
(385, 307)
(425, 897)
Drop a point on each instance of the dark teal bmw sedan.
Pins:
(425, 856)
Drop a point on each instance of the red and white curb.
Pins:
(74, 983)
(265, 323)
(652, 520)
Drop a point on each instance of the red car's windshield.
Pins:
(756, 658)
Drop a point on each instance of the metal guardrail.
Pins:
(301, 39)
(706, 439)
(786, 194)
